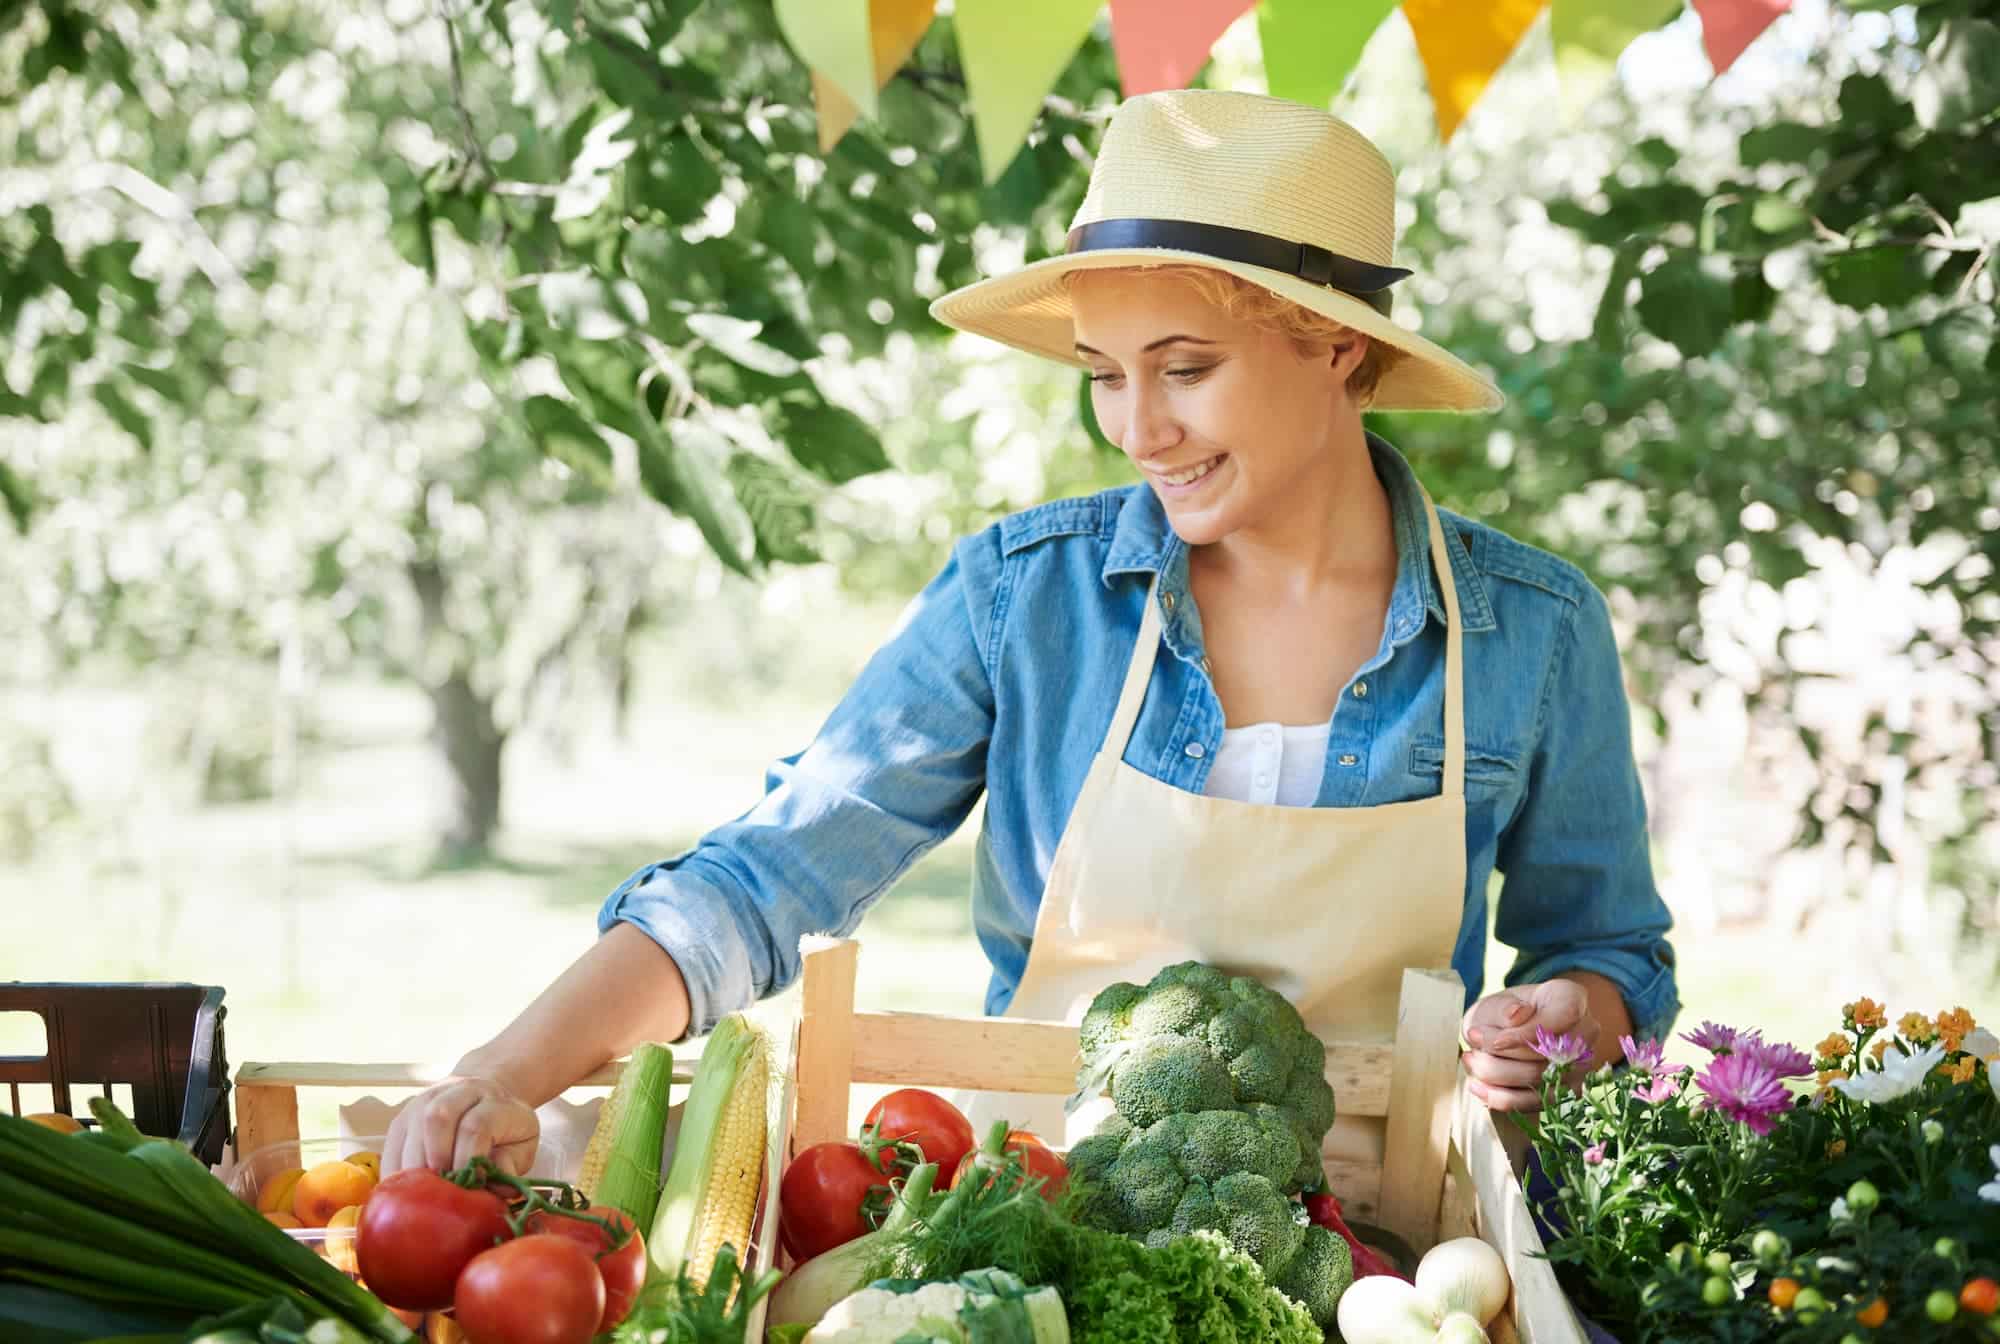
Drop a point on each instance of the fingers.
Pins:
(1497, 1012)
(459, 1120)
(1504, 1084)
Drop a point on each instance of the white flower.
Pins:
(1980, 1044)
(1899, 1076)
(1933, 1132)
(1990, 1192)
(1838, 1214)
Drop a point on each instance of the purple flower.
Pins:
(1647, 1054)
(1560, 1050)
(1656, 1089)
(1594, 1154)
(1715, 1039)
(1745, 1090)
(1782, 1060)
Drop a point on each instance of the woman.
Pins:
(1269, 709)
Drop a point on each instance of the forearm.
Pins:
(624, 990)
(1607, 1005)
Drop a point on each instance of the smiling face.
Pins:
(1231, 421)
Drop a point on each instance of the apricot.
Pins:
(327, 1188)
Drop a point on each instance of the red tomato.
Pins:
(623, 1270)
(417, 1231)
(936, 1126)
(537, 1289)
(1036, 1160)
(820, 1198)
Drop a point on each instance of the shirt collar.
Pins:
(1143, 543)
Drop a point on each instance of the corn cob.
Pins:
(621, 1167)
(710, 1196)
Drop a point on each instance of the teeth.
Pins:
(1192, 474)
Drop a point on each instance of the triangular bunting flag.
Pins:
(1728, 26)
(831, 37)
(1463, 45)
(1012, 51)
(1161, 44)
(1589, 36)
(1311, 46)
(895, 28)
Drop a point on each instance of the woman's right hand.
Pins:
(459, 1119)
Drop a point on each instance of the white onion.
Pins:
(1464, 1274)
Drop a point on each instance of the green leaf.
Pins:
(829, 440)
(565, 435)
(20, 500)
(779, 506)
(1657, 152)
(129, 417)
(682, 466)
(1864, 276)
(1780, 142)
(164, 382)
(1751, 296)
(792, 230)
(1961, 341)
(1688, 300)
(411, 234)
(679, 181)
(1776, 215)
(1959, 81)
(1867, 104)
(737, 338)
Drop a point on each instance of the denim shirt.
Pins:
(1002, 676)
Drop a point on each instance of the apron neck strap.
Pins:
(1453, 784)
(1137, 675)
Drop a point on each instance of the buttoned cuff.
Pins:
(1654, 1004)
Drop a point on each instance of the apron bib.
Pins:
(1326, 905)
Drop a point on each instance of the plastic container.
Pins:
(163, 1042)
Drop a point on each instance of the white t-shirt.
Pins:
(1269, 763)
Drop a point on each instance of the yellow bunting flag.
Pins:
(1589, 35)
(1728, 26)
(1163, 46)
(1463, 45)
(1312, 46)
(1012, 51)
(895, 28)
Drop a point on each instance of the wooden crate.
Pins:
(1446, 1169)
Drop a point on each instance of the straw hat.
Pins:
(1281, 194)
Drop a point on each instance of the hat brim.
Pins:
(1029, 309)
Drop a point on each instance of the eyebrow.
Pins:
(1164, 340)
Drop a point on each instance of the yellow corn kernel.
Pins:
(711, 1191)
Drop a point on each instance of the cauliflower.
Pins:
(1222, 1103)
(987, 1304)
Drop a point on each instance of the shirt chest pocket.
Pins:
(1487, 769)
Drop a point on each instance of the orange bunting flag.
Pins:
(1162, 44)
(1728, 26)
(1463, 46)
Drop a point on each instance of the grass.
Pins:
(336, 940)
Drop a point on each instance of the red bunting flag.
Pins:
(1728, 26)
(1162, 44)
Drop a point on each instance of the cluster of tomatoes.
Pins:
(837, 1191)
(513, 1266)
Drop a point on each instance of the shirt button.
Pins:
(1263, 781)
(1196, 751)
(1167, 601)
(1349, 758)
(1360, 690)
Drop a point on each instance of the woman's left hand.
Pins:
(1505, 1067)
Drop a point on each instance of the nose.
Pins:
(1150, 427)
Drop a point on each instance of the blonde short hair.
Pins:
(1306, 329)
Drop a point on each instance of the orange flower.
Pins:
(1954, 1026)
(1878, 1048)
(1836, 1148)
(1962, 1071)
(1833, 1047)
(1916, 1029)
(1864, 1013)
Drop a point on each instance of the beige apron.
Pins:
(1327, 905)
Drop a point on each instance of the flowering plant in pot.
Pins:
(1847, 1194)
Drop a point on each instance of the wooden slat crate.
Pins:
(1446, 1170)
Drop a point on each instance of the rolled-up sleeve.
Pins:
(1578, 891)
(895, 769)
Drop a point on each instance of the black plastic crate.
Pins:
(162, 1041)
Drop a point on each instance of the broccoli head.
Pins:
(1217, 1171)
(1194, 1039)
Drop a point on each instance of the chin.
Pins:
(1198, 527)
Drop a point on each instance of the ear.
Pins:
(1347, 353)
